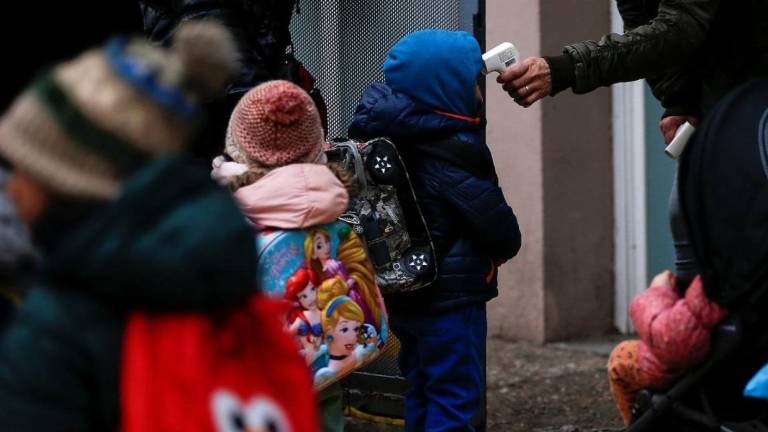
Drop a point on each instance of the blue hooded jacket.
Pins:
(451, 169)
(437, 68)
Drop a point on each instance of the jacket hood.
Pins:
(438, 68)
(384, 112)
(173, 240)
(294, 196)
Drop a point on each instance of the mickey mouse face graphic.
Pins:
(258, 414)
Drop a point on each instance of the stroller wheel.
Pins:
(642, 403)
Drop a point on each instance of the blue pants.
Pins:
(443, 358)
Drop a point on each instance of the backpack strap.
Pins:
(349, 149)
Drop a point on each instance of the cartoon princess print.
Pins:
(351, 267)
(350, 342)
(304, 319)
(317, 251)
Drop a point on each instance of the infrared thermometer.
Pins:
(500, 58)
(682, 136)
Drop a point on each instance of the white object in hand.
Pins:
(224, 172)
(682, 136)
(500, 58)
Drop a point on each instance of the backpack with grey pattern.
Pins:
(386, 214)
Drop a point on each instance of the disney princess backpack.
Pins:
(334, 309)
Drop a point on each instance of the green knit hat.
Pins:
(85, 126)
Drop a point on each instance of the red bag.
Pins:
(191, 372)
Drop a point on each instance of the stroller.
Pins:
(723, 186)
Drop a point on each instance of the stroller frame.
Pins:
(741, 332)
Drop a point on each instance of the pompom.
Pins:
(209, 56)
(285, 103)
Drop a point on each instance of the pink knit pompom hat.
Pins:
(273, 125)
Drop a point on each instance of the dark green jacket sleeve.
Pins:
(665, 42)
(59, 364)
(678, 88)
(678, 91)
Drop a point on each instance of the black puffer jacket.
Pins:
(260, 28)
(692, 51)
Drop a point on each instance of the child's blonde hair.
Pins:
(353, 253)
(330, 289)
(340, 307)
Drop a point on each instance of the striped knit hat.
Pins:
(86, 125)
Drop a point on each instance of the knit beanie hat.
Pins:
(273, 125)
(82, 128)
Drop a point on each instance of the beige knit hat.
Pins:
(85, 126)
(275, 124)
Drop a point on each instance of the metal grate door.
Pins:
(343, 43)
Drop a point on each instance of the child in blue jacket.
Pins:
(429, 107)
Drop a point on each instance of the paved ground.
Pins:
(555, 388)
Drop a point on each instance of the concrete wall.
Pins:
(555, 164)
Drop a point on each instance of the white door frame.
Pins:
(629, 190)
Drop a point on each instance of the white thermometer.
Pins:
(682, 136)
(500, 58)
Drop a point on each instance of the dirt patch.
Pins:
(534, 388)
(541, 389)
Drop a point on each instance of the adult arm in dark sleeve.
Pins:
(678, 91)
(666, 42)
(488, 220)
(635, 13)
(669, 40)
(678, 88)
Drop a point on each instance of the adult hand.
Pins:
(527, 81)
(669, 125)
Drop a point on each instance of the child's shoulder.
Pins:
(458, 157)
(375, 92)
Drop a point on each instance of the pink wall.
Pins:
(554, 162)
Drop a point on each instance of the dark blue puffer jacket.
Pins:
(453, 176)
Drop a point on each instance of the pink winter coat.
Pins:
(675, 330)
(294, 196)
